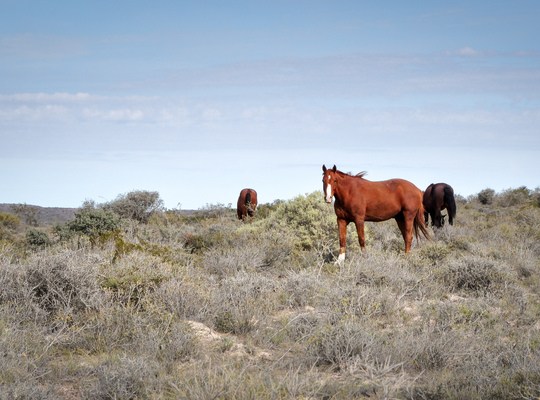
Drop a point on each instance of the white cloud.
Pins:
(46, 97)
(468, 52)
(116, 115)
(34, 114)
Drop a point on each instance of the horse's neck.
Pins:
(350, 181)
(345, 185)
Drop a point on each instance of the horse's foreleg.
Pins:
(342, 227)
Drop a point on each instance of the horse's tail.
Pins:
(427, 192)
(420, 225)
(451, 203)
(248, 197)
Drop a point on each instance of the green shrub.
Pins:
(62, 232)
(310, 220)
(138, 205)
(9, 223)
(93, 222)
(486, 196)
(266, 209)
(37, 239)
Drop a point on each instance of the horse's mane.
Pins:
(358, 175)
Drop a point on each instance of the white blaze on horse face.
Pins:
(329, 193)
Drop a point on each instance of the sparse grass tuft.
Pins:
(472, 274)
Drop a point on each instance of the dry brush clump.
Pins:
(204, 306)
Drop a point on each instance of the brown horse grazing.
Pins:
(437, 197)
(247, 203)
(358, 200)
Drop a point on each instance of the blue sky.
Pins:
(197, 100)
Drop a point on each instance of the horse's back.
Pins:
(247, 202)
(250, 196)
(403, 190)
(440, 191)
(396, 186)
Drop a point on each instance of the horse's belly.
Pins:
(378, 214)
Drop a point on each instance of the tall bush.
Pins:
(486, 196)
(138, 205)
(308, 217)
(9, 223)
(37, 239)
(94, 222)
(513, 197)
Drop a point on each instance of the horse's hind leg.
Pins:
(405, 224)
(437, 221)
(434, 218)
(361, 237)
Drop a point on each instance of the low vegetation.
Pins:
(128, 300)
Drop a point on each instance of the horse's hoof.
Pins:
(340, 260)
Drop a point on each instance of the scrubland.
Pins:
(174, 305)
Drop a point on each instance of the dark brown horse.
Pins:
(437, 197)
(358, 200)
(247, 203)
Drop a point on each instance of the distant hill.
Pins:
(43, 215)
(59, 215)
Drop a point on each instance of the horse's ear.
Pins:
(334, 168)
(323, 168)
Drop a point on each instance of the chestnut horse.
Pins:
(357, 200)
(247, 203)
(437, 197)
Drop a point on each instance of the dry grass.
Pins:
(208, 307)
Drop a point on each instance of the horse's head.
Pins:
(251, 208)
(438, 223)
(329, 183)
